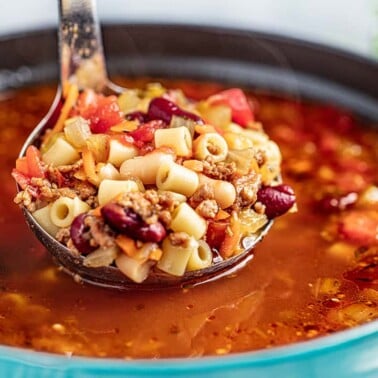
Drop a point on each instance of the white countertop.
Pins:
(349, 24)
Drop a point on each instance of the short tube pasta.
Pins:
(210, 145)
(145, 167)
(176, 178)
(132, 268)
(175, 257)
(185, 219)
(108, 189)
(201, 258)
(42, 216)
(60, 153)
(177, 138)
(119, 152)
(65, 209)
(224, 191)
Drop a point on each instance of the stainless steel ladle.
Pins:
(82, 61)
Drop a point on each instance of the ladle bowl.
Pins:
(82, 61)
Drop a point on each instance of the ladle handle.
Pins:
(81, 53)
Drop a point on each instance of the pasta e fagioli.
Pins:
(152, 181)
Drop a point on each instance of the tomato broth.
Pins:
(314, 274)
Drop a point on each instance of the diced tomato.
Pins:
(22, 166)
(103, 112)
(21, 179)
(216, 232)
(237, 101)
(360, 227)
(33, 158)
(145, 133)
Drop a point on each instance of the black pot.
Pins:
(245, 58)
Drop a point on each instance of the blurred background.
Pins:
(349, 24)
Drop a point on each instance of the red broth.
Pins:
(314, 274)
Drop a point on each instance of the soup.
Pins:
(314, 274)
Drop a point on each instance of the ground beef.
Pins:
(101, 234)
(204, 192)
(63, 235)
(179, 239)
(71, 168)
(150, 205)
(246, 189)
(208, 208)
(25, 199)
(86, 191)
(219, 170)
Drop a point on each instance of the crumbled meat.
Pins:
(86, 191)
(208, 208)
(102, 234)
(246, 189)
(204, 192)
(150, 205)
(219, 170)
(71, 168)
(25, 199)
(63, 235)
(179, 239)
(165, 217)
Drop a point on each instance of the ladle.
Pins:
(82, 61)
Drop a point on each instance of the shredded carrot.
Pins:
(124, 126)
(22, 166)
(194, 165)
(89, 166)
(232, 239)
(70, 100)
(127, 245)
(202, 129)
(221, 214)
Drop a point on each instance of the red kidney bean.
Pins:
(154, 232)
(80, 235)
(127, 222)
(277, 199)
(161, 108)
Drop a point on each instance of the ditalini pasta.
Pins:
(175, 257)
(177, 178)
(119, 152)
(178, 138)
(109, 189)
(43, 217)
(60, 153)
(210, 145)
(152, 186)
(145, 167)
(65, 209)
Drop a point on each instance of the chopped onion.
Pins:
(101, 257)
